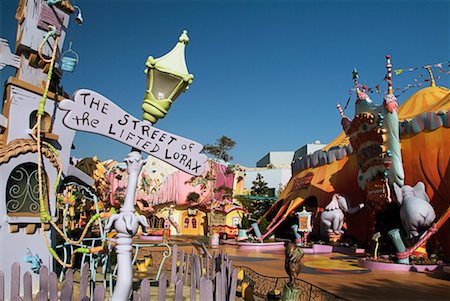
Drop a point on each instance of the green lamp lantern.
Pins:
(167, 78)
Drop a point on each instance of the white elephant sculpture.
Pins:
(333, 217)
(416, 212)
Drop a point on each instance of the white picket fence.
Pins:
(212, 277)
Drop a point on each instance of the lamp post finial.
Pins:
(184, 38)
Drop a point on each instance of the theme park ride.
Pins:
(39, 122)
(395, 162)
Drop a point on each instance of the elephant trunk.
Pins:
(356, 208)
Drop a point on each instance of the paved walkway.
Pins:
(340, 275)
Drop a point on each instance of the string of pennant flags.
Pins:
(437, 65)
(417, 82)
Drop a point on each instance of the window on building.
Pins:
(186, 223)
(46, 121)
(161, 223)
(194, 223)
(22, 190)
(152, 222)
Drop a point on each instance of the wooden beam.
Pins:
(50, 136)
(46, 226)
(24, 85)
(32, 59)
(13, 228)
(51, 16)
(30, 229)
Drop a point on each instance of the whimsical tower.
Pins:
(33, 91)
(374, 136)
(393, 162)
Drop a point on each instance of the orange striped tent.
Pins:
(425, 144)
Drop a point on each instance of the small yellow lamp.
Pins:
(167, 78)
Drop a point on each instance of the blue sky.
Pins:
(268, 74)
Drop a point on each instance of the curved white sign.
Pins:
(94, 113)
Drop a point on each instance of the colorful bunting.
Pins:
(418, 81)
(348, 101)
(437, 65)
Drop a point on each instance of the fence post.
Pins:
(207, 266)
(179, 290)
(42, 296)
(15, 280)
(27, 287)
(2, 286)
(145, 290)
(84, 280)
(162, 287)
(219, 286)
(198, 269)
(213, 266)
(200, 259)
(43, 280)
(53, 286)
(181, 267)
(69, 276)
(230, 270)
(193, 291)
(173, 272)
(99, 293)
(67, 290)
(186, 269)
(233, 285)
(224, 279)
(206, 289)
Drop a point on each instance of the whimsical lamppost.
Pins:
(167, 78)
(304, 227)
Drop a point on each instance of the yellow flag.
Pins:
(398, 71)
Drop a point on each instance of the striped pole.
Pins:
(432, 81)
(355, 79)
(338, 106)
(389, 74)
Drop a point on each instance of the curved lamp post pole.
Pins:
(167, 78)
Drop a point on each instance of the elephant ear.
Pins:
(398, 194)
(419, 191)
(343, 203)
(334, 204)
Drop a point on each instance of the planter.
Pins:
(229, 242)
(255, 227)
(214, 241)
(388, 266)
(349, 250)
(446, 269)
(255, 245)
(318, 249)
(150, 237)
(242, 234)
(261, 245)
